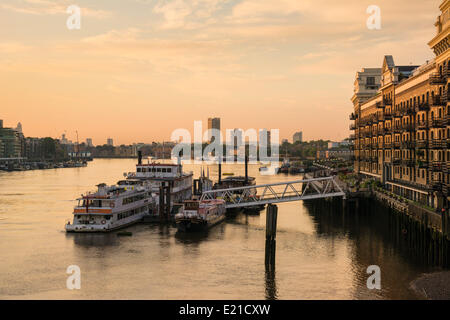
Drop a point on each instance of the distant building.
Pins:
(345, 154)
(213, 123)
(19, 127)
(110, 142)
(89, 142)
(264, 138)
(33, 149)
(12, 143)
(332, 144)
(237, 138)
(298, 137)
(64, 139)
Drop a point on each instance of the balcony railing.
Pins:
(421, 144)
(437, 166)
(387, 102)
(407, 144)
(438, 144)
(408, 127)
(437, 101)
(422, 106)
(437, 78)
(380, 105)
(413, 184)
(397, 114)
(352, 126)
(397, 129)
(387, 115)
(421, 124)
(446, 189)
(423, 164)
(436, 185)
(438, 122)
(408, 162)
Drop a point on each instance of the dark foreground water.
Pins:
(321, 253)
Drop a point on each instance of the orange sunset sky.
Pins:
(139, 69)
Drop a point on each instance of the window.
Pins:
(370, 81)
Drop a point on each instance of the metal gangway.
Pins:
(248, 196)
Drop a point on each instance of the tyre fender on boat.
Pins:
(103, 221)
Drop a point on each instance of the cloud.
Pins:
(188, 13)
(47, 7)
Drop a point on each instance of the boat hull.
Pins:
(195, 225)
(78, 228)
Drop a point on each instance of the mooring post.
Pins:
(167, 200)
(271, 233)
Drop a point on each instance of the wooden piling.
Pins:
(271, 234)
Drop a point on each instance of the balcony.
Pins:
(408, 127)
(437, 166)
(397, 114)
(397, 129)
(422, 106)
(387, 102)
(446, 189)
(380, 105)
(408, 162)
(436, 185)
(352, 126)
(423, 164)
(437, 78)
(407, 144)
(438, 144)
(409, 111)
(421, 125)
(421, 144)
(387, 145)
(387, 115)
(437, 101)
(413, 184)
(438, 123)
(396, 160)
(396, 144)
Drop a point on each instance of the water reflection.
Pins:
(374, 241)
(87, 240)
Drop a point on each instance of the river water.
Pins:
(320, 254)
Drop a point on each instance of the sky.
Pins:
(137, 70)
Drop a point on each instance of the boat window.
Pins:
(169, 170)
(164, 170)
(107, 217)
(158, 170)
(139, 169)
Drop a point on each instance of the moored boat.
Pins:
(112, 207)
(200, 215)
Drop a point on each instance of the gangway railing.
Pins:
(248, 196)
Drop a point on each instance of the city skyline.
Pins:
(162, 66)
